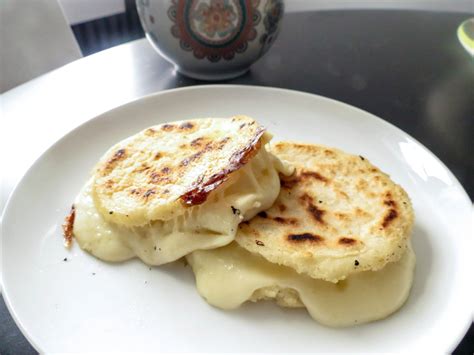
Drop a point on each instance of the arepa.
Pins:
(175, 188)
(337, 215)
(160, 172)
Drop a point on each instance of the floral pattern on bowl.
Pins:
(211, 39)
(214, 30)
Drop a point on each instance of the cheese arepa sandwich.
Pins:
(175, 188)
(336, 241)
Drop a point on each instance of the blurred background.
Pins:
(99, 25)
(44, 35)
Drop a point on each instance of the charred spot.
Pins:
(109, 183)
(262, 214)
(111, 212)
(259, 243)
(356, 262)
(282, 207)
(390, 203)
(168, 127)
(158, 156)
(347, 241)
(305, 237)
(192, 158)
(119, 155)
(315, 212)
(198, 194)
(373, 170)
(389, 217)
(282, 220)
(209, 146)
(288, 184)
(150, 132)
(157, 178)
(313, 175)
(68, 226)
(197, 142)
(242, 125)
(149, 192)
(186, 125)
(222, 143)
(389, 200)
(361, 157)
(136, 192)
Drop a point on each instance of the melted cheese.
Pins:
(229, 276)
(212, 224)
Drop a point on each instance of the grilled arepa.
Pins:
(229, 276)
(175, 188)
(337, 215)
(161, 171)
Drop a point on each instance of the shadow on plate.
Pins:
(424, 261)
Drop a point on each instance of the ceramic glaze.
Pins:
(211, 39)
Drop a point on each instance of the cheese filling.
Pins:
(229, 276)
(249, 190)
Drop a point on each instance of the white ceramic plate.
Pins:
(83, 304)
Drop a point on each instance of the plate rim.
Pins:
(152, 96)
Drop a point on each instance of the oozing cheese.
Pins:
(229, 276)
(212, 224)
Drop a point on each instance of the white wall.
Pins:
(77, 11)
(35, 38)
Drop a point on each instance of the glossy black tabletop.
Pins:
(403, 66)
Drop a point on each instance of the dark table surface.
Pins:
(404, 66)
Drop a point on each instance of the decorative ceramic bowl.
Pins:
(211, 39)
